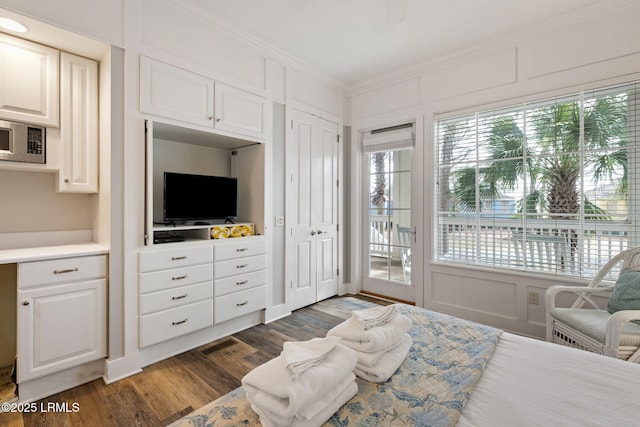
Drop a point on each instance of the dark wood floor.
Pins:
(172, 388)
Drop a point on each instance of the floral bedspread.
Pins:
(430, 388)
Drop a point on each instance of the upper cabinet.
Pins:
(178, 94)
(28, 82)
(79, 125)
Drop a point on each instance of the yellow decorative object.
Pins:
(232, 230)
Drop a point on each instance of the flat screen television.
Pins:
(202, 198)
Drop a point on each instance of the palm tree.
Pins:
(379, 193)
(555, 157)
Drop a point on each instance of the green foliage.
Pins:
(566, 139)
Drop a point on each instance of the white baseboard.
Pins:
(117, 369)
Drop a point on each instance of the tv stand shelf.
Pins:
(204, 232)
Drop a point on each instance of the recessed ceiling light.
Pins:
(11, 25)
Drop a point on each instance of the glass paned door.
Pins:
(389, 234)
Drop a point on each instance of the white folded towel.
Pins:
(301, 355)
(270, 385)
(315, 408)
(370, 359)
(379, 338)
(326, 413)
(375, 316)
(387, 364)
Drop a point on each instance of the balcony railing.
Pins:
(570, 247)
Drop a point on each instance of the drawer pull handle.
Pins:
(241, 304)
(68, 270)
(179, 277)
(242, 265)
(180, 297)
(244, 282)
(180, 322)
(178, 258)
(242, 249)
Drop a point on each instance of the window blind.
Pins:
(549, 186)
(391, 138)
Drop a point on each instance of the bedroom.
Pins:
(591, 49)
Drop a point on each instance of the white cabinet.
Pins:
(239, 111)
(28, 82)
(239, 277)
(176, 292)
(62, 310)
(78, 125)
(182, 95)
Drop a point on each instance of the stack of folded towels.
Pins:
(305, 385)
(379, 336)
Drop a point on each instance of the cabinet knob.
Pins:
(67, 180)
(25, 302)
(218, 119)
(211, 118)
(313, 233)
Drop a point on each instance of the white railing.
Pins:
(571, 247)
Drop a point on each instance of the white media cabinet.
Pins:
(201, 288)
(194, 292)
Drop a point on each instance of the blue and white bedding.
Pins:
(430, 388)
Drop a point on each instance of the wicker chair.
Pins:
(595, 329)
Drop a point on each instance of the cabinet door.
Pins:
(60, 326)
(28, 82)
(78, 125)
(239, 111)
(175, 93)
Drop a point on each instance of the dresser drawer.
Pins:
(157, 301)
(160, 259)
(239, 266)
(239, 303)
(239, 247)
(239, 283)
(167, 279)
(168, 324)
(63, 270)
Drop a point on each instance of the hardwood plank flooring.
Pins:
(172, 388)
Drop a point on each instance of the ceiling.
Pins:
(355, 40)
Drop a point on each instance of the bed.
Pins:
(463, 373)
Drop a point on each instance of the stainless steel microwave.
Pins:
(21, 142)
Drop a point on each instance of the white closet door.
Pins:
(312, 210)
(326, 177)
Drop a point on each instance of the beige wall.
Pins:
(30, 203)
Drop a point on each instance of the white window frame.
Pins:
(633, 182)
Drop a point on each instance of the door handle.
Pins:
(313, 233)
(320, 232)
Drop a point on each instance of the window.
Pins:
(549, 186)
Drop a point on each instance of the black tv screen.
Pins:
(199, 197)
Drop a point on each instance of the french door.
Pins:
(312, 208)
(388, 234)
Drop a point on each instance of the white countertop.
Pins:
(8, 256)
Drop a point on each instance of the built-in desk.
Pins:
(53, 318)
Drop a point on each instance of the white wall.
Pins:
(592, 49)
